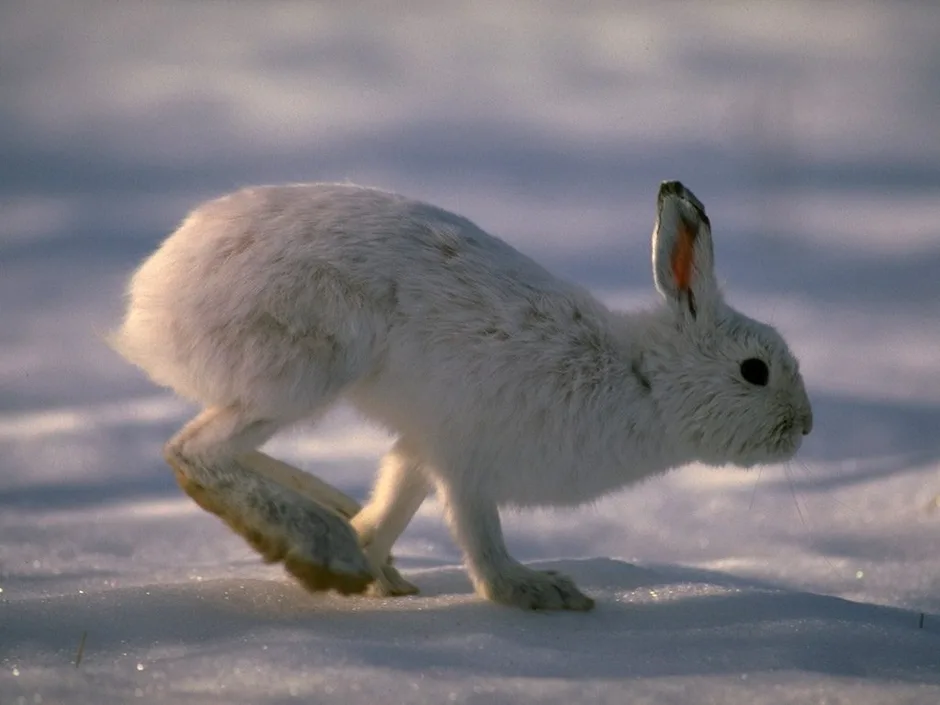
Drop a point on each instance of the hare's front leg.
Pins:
(400, 488)
(474, 521)
(316, 545)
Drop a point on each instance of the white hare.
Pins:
(506, 385)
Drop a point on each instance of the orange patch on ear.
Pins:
(683, 254)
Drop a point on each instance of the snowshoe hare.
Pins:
(506, 385)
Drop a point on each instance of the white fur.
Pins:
(506, 385)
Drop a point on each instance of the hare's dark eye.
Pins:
(755, 371)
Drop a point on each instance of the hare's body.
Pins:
(282, 299)
(505, 384)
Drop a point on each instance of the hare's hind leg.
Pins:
(316, 545)
(400, 488)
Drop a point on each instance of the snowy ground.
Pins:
(809, 130)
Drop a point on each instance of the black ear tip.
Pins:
(677, 188)
(672, 188)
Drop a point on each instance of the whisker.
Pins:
(814, 476)
(760, 470)
(773, 313)
(786, 468)
(799, 510)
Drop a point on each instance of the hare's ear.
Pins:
(683, 259)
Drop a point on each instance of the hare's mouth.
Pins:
(788, 446)
(779, 451)
(786, 438)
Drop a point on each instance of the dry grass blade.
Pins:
(81, 649)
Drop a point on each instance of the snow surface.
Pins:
(808, 129)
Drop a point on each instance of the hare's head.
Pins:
(728, 383)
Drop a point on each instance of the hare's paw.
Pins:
(535, 590)
(390, 583)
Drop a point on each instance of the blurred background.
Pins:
(810, 130)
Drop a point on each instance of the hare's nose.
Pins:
(807, 422)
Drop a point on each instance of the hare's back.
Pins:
(366, 243)
(304, 275)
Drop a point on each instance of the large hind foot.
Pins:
(310, 486)
(315, 544)
(388, 582)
